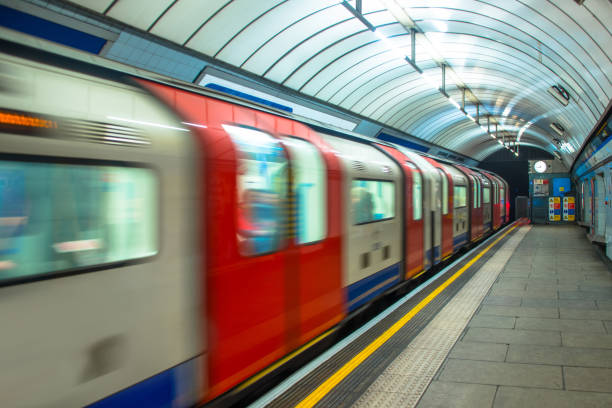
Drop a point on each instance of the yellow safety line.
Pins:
(345, 370)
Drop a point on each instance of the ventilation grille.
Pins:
(359, 166)
(101, 132)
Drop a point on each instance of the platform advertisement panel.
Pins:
(554, 208)
(569, 209)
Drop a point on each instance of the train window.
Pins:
(60, 216)
(486, 195)
(502, 196)
(417, 193)
(261, 190)
(444, 191)
(309, 190)
(478, 195)
(372, 200)
(460, 196)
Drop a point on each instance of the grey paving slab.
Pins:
(513, 397)
(586, 295)
(569, 325)
(521, 311)
(536, 293)
(577, 304)
(583, 314)
(466, 350)
(588, 379)
(495, 373)
(608, 325)
(511, 283)
(604, 304)
(460, 395)
(598, 282)
(512, 336)
(517, 273)
(496, 322)
(538, 302)
(566, 356)
(502, 300)
(587, 340)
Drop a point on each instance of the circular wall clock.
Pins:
(540, 166)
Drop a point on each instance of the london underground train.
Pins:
(163, 244)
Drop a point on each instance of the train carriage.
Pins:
(373, 227)
(173, 223)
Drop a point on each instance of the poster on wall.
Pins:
(569, 209)
(554, 208)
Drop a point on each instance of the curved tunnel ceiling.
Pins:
(508, 53)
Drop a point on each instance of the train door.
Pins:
(486, 203)
(446, 185)
(502, 203)
(445, 193)
(314, 226)
(459, 207)
(431, 211)
(432, 208)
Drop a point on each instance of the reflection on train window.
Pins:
(502, 196)
(58, 217)
(309, 190)
(372, 200)
(460, 196)
(444, 191)
(486, 195)
(417, 193)
(261, 190)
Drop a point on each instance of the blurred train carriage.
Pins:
(164, 244)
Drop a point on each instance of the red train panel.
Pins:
(447, 219)
(414, 245)
(258, 308)
(476, 216)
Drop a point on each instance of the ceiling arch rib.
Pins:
(507, 52)
(524, 30)
(568, 73)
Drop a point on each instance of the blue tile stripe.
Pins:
(366, 289)
(29, 24)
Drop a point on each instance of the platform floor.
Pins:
(542, 337)
(524, 320)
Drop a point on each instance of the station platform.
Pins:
(523, 320)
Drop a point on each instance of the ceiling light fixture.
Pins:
(407, 23)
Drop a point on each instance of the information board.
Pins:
(554, 208)
(569, 209)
